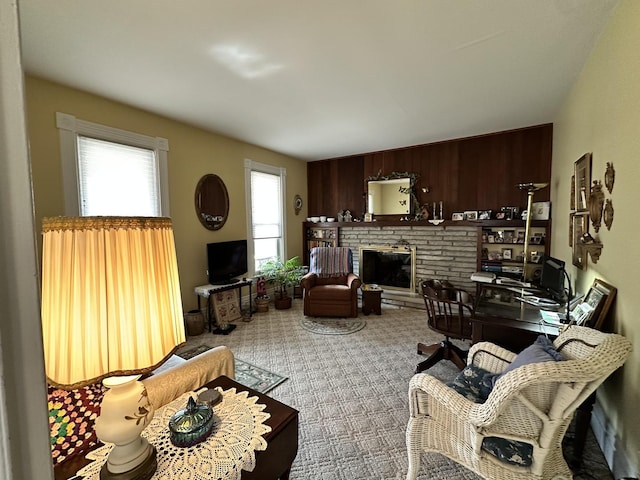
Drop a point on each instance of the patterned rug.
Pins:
(332, 326)
(247, 374)
(257, 378)
(351, 392)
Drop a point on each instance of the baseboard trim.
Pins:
(620, 464)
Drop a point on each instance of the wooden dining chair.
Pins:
(449, 312)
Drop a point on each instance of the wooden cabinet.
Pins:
(318, 235)
(501, 248)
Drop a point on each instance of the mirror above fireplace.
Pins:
(392, 194)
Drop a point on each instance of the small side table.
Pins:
(371, 299)
(205, 291)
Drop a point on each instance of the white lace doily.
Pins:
(237, 433)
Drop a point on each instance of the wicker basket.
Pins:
(194, 322)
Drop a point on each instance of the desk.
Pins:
(501, 319)
(271, 464)
(514, 325)
(205, 291)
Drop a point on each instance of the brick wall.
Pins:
(441, 252)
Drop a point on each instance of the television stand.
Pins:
(206, 291)
(221, 283)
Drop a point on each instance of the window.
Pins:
(108, 171)
(265, 187)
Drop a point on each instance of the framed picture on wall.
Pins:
(580, 224)
(582, 187)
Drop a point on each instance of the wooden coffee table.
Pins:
(271, 464)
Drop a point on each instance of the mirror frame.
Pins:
(414, 207)
(211, 220)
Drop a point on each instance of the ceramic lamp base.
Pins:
(144, 471)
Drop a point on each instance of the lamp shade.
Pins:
(111, 301)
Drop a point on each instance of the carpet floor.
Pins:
(351, 392)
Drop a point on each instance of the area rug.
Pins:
(192, 352)
(257, 378)
(245, 373)
(332, 326)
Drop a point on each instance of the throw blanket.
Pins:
(331, 261)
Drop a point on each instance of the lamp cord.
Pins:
(569, 321)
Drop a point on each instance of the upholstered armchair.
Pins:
(511, 425)
(330, 287)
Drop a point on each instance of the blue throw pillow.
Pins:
(470, 384)
(542, 350)
(512, 452)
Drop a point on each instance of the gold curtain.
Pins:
(111, 301)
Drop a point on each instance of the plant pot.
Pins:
(262, 304)
(282, 303)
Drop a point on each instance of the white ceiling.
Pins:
(324, 78)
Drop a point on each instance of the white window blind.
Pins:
(266, 216)
(110, 171)
(117, 179)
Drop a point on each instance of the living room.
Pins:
(599, 115)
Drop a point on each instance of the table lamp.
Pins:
(530, 188)
(111, 310)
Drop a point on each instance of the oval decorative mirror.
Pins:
(212, 202)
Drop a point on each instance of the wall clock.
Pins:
(297, 203)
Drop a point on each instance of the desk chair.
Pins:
(449, 311)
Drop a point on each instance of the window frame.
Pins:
(249, 166)
(70, 128)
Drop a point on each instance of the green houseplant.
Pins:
(282, 275)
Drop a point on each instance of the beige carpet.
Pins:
(351, 391)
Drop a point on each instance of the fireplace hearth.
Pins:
(390, 267)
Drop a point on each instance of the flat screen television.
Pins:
(552, 278)
(226, 260)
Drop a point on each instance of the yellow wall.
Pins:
(193, 152)
(602, 115)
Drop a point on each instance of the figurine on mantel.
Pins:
(424, 209)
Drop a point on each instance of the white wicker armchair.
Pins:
(533, 404)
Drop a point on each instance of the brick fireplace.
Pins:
(444, 252)
(389, 266)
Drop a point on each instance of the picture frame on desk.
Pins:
(600, 297)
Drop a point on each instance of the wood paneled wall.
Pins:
(477, 173)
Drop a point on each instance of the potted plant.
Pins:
(282, 275)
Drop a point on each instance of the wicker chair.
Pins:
(533, 404)
(449, 312)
